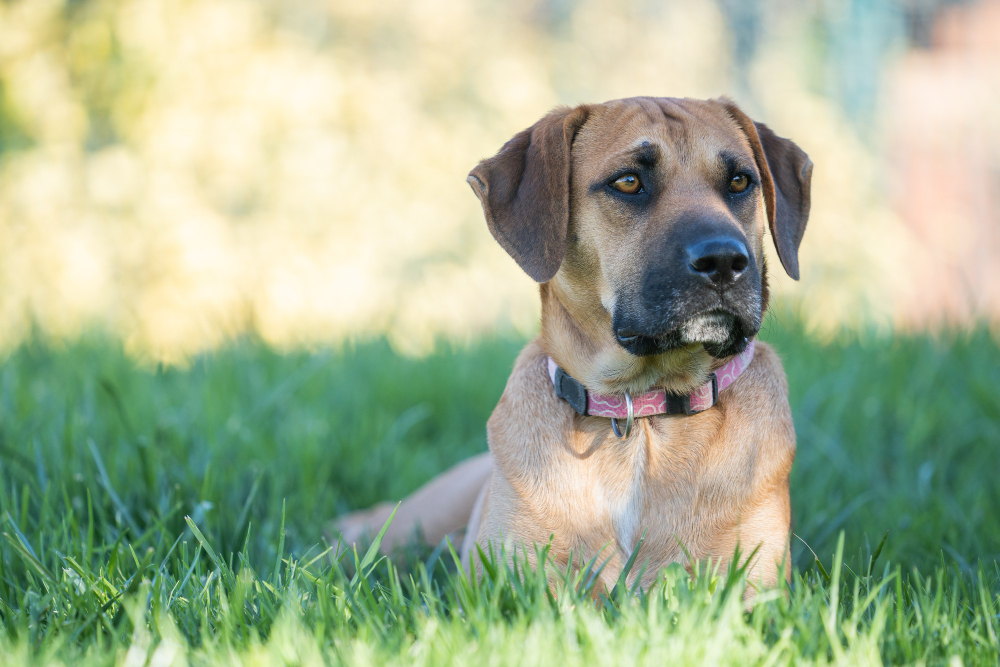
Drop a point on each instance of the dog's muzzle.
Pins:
(703, 288)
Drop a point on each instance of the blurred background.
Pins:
(179, 172)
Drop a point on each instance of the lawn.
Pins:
(176, 515)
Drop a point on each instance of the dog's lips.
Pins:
(721, 327)
(721, 331)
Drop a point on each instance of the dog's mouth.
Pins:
(712, 327)
(721, 332)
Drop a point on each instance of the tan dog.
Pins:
(643, 219)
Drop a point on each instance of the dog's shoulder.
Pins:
(528, 399)
(764, 378)
(757, 412)
(530, 373)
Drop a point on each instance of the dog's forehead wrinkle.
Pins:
(643, 151)
(642, 113)
(673, 109)
(651, 107)
(700, 126)
(678, 122)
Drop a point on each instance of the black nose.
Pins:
(721, 259)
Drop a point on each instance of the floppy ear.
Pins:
(524, 190)
(786, 172)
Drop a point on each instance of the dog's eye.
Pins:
(739, 183)
(629, 184)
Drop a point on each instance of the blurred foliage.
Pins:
(179, 172)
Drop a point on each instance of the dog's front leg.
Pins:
(440, 507)
(763, 539)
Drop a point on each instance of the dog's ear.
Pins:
(524, 190)
(786, 172)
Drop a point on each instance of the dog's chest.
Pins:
(626, 498)
(633, 488)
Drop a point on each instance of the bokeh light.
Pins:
(179, 173)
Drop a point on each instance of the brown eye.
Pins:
(629, 184)
(739, 183)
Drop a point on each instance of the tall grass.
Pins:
(176, 515)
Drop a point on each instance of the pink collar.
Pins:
(655, 402)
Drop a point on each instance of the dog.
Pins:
(645, 408)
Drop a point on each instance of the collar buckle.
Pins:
(684, 402)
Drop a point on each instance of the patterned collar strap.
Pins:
(655, 402)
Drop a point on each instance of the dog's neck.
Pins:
(579, 338)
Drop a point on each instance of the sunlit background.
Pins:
(179, 172)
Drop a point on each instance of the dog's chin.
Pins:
(711, 328)
(721, 333)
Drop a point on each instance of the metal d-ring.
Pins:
(628, 421)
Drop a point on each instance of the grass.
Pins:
(175, 515)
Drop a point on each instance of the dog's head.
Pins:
(647, 216)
